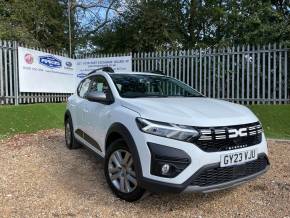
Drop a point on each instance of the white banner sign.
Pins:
(44, 72)
(118, 64)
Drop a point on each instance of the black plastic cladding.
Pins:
(216, 175)
(176, 158)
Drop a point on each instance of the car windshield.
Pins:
(140, 85)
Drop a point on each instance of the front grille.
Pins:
(213, 139)
(217, 175)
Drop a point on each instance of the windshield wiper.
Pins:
(192, 96)
(145, 96)
(155, 96)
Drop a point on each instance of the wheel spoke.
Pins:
(119, 157)
(126, 158)
(122, 184)
(132, 173)
(132, 179)
(115, 176)
(113, 169)
(116, 161)
(127, 185)
(130, 163)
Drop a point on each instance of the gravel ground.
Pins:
(39, 177)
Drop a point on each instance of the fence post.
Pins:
(1, 75)
(15, 60)
(286, 79)
(200, 71)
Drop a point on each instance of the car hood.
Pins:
(197, 111)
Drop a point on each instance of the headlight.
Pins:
(168, 130)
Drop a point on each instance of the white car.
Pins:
(158, 134)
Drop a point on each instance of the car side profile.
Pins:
(158, 134)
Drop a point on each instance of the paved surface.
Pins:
(39, 177)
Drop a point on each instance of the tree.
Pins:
(90, 16)
(142, 26)
(33, 22)
(160, 24)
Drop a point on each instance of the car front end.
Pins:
(194, 143)
(217, 158)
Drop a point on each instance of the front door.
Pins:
(81, 108)
(97, 118)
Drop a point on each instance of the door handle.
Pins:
(85, 109)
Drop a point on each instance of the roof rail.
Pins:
(157, 72)
(105, 69)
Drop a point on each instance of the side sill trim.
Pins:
(88, 139)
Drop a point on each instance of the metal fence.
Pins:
(9, 84)
(243, 74)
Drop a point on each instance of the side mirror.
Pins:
(99, 97)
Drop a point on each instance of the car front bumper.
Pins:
(225, 185)
(199, 160)
(156, 186)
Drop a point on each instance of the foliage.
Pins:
(161, 24)
(33, 22)
(111, 26)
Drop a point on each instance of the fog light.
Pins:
(165, 169)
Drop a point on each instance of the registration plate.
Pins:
(237, 158)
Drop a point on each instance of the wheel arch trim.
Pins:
(67, 114)
(125, 134)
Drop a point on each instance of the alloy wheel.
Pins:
(121, 171)
(68, 133)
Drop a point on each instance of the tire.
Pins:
(70, 140)
(120, 174)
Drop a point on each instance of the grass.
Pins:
(34, 117)
(30, 118)
(275, 120)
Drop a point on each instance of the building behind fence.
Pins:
(243, 74)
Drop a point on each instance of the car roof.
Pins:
(137, 73)
(125, 73)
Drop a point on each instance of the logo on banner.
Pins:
(81, 75)
(50, 61)
(28, 58)
(68, 64)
